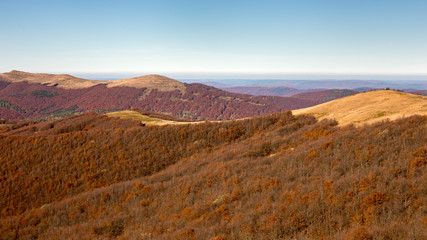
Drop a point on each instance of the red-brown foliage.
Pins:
(282, 177)
(199, 102)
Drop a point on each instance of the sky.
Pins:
(357, 38)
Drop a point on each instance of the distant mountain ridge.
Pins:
(38, 96)
(325, 84)
(265, 91)
(320, 90)
(325, 95)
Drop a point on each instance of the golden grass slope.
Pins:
(369, 107)
(150, 121)
(151, 82)
(65, 81)
(62, 80)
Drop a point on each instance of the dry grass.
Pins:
(159, 82)
(65, 81)
(128, 114)
(369, 107)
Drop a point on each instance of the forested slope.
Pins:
(47, 96)
(269, 177)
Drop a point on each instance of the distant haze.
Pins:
(222, 36)
(206, 77)
(294, 80)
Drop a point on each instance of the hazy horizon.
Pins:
(255, 76)
(354, 38)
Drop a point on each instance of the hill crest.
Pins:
(369, 107)
(152, 81)
(66, 81)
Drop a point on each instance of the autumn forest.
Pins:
(276, 176)
(213, 120)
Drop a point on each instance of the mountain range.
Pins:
(47, 96)
(308, 87)
(318, 84)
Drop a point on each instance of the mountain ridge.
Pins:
(66, 81)
(48, 96)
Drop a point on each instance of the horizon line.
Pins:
(201, 75)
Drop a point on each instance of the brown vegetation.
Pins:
(269, 177)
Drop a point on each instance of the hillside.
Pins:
(270, 177)
(47, 96)
(369, 107)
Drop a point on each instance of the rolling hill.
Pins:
(369, 107)
(48, 96)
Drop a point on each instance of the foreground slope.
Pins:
(270, 177)
(369, 107)
(47, 96)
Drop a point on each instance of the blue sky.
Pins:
(342, 37)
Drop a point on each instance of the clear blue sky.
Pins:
(215, 36)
